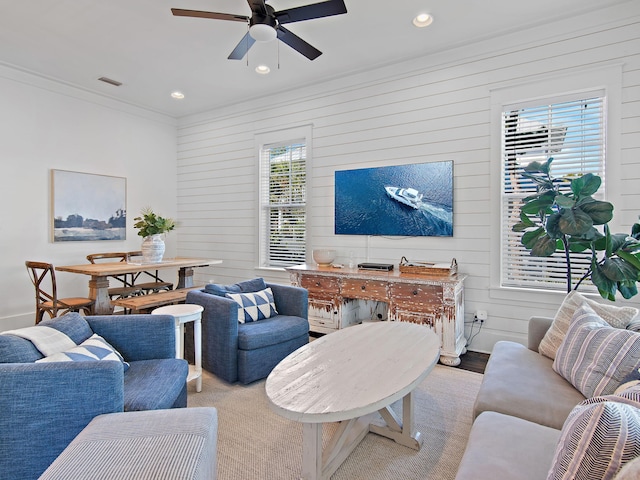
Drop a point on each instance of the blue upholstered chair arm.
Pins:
(220, 329)
(292, 301)
(137, 337)
(45, 405)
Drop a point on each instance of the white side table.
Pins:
(183, 313)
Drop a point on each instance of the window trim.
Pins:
(285, 135)
(540, 88)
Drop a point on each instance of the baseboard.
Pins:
(17, 321)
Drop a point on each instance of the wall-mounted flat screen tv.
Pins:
(404, 200)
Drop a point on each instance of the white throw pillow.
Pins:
(618, 317)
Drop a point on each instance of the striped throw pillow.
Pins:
(619, 317)
(595, 357)
(598, 438)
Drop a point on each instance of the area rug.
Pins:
(256, 443)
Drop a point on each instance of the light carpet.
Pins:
(256, 443)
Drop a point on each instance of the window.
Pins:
(570, 129)
(283, 202)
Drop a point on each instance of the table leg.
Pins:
(197, 340)
(185, 277)
(311, 451)
(99, 291)
(400, 431)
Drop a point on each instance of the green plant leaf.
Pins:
(574, 222)
(544, 246)
(564, 202)
(628, 290)
(539, 203)
(553, 226)
(633, 259)
(600, 212)
(618, 270)
(586, 185)
(606, 287)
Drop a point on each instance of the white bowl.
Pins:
(324, 256)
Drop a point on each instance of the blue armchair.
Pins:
(247, 352)
(45, 405)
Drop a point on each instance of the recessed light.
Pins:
(177, 95)
(423, 20)
(262, 69)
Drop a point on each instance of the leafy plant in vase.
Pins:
(564, 219)
(153, 228)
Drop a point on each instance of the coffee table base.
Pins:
(319, 464)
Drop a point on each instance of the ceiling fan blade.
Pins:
(242, 48)
(257, 6)
(178, 12)
(297, 43)
(309, 12)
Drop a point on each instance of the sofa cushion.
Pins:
(253, 285)
(595, 357)
(154, 384)
(14, 349)
(254, 306)
(94, 349)
(271, 331)
(619, 317)
(505, 447)
(158, 444)
(598, 438)
(520, 382)
(631, 380)
(72, 325)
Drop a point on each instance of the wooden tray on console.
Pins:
(428, 268)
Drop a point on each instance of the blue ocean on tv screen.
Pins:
(364, 207)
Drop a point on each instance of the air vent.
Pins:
(110, 82)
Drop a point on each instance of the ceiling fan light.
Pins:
(423, 20)
(262, 33)
(263, 69)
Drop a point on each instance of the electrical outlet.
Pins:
(481, 315)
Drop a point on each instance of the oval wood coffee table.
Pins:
(346, 377)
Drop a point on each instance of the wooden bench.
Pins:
(145, 303)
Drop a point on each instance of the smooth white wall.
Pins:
(45, 125)
(434, 108)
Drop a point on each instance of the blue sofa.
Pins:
(247, 352)
(45, 405)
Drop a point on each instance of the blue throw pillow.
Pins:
(254, 306)
(254, 285)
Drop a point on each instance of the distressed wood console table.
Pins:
(340, 297)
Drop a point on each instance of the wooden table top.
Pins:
(382, 275)
(352, 372)
(119, 268)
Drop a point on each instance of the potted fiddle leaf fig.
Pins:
(563, 216)
(152, 228)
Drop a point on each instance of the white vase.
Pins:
(153, 248)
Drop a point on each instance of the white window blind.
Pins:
(572, 131)
(283, 200)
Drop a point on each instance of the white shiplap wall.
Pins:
(434, 108)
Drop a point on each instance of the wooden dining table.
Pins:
(100, 273)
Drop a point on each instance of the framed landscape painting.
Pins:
(88, 207)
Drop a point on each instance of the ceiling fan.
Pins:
(265, 24)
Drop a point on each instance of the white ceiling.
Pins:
(141, 44)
